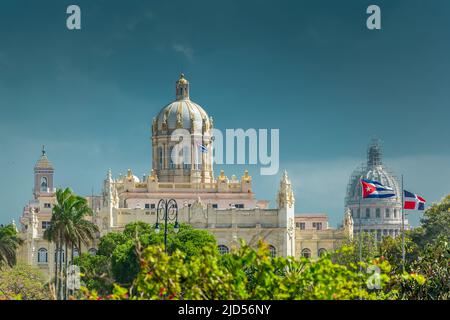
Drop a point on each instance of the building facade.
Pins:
(225, 206)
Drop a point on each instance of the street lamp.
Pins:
(167, 210)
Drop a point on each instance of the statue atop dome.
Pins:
(182, 88)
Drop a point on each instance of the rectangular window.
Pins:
(45, 224)
(388, 214)
(317, 225)
(215, 206)
(152, 206)
(147, 206)
(47, 205)
(378, 213)
(395, 213)
(358, 212)
(367, 213)
(239, 206)
(302, 226)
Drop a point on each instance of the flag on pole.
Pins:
(202, 147)
(412, 201)
(374, 189)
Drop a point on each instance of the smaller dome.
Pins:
(131, 177)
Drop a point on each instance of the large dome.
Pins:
(380, 216)
(192, 163)
(182, 113)
(374, 170)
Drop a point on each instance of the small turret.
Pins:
(348, 223)
(285, 194)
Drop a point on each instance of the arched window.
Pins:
(272, 251)
(75, 252)
(223, 249)
(59, 256)
(92, 251)
(306, 253)
(322, 252)
(44, 184)
(42, 255)
(160, 157)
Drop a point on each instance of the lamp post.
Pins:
(167, 210)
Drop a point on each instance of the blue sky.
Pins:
(310, 68)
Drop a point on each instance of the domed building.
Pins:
(225, 206)
(381, 216)
(193, 124)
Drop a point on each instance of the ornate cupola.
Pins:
(182, 88)
(190, 162)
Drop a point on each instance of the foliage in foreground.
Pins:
(246, 273)
(23, 282)
(9, 243)
(117, 258)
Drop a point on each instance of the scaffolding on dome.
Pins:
(374, 159)
(356, 175)
(374, 153)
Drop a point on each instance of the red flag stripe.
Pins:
(411, 205)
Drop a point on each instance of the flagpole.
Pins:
(403, 230)
(360, 227)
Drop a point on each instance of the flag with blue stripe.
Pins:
(374, 189)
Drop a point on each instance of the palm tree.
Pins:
(9, 242)
(68, 228)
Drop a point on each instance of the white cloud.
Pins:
(135, 21)
(186, 51)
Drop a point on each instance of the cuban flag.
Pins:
(412, 201)
(202, 147)
(374, 189)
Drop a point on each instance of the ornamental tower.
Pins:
(43, 176)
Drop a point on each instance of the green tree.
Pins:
(95, 271)
(68, 229)
(246, 273)
(120, 251)
(23, 282)
(434, 224)
(9, 243)
(349, 252)
(427, 256)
